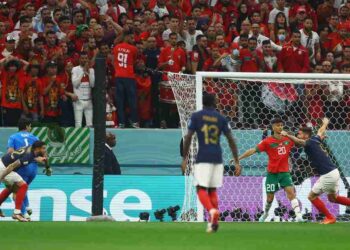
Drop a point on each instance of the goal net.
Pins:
(249, 101)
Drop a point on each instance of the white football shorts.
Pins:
(208, 175)
(11, 178)
(328, 183)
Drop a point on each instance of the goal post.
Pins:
(249, 101)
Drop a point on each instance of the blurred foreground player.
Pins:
(23, 138)
(208, 124)
(329, 180)
(16, 160)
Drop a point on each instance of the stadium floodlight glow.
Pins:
(172, 212)
(159, 214)
(144, 217)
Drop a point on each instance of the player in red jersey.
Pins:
(278, 148)
(125, 55)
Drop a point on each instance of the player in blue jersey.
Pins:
(329, 174)
(15, 160)
(23, 138)
(209, 124)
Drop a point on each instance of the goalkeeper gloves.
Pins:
(47, 171)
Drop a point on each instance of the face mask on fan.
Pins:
(281, 37)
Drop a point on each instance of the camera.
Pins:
(172, 212)
(159, 214)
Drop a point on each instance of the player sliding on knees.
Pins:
(329, 174)
(208, 124)
(18, 159)
(277, 148)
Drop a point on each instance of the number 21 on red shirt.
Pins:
(122, 59)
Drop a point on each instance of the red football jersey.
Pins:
(30, 88)
(249, 63)
(278, 152)
(10, 91)
(125, 56)
(52, 97)
(178, 55)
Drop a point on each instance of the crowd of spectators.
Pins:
(48, 50)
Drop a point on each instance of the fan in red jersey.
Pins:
(125, 55)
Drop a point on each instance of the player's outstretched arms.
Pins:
(9, 169)
(247, 153)
(233, 147)
(296, 140)
(322, 130)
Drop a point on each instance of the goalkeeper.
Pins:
(16, 141)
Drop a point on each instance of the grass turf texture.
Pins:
(154, 236)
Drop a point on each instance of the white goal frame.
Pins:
(292, 78)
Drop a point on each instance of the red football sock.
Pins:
(322, 207)
(343, 200)
(21, 193)
(204, 198)
(4, 194)
(213, 195)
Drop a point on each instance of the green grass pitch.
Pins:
(162, 236)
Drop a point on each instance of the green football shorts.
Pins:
(276, 181)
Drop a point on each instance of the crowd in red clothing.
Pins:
(42, 40)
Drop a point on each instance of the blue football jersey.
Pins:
(24, 155)
(318, 157)
(209, 125)
(21, 139)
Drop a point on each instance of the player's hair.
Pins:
(306, 130)
(23, 123)
(209, 100)
(276, 120)
(38, 144)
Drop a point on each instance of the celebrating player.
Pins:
(16, 141)
(278, 148)
(208, 124)
(329, 179)
(18, 159)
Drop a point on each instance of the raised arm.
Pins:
(322, 130)
(247, 153)
(297, 141)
